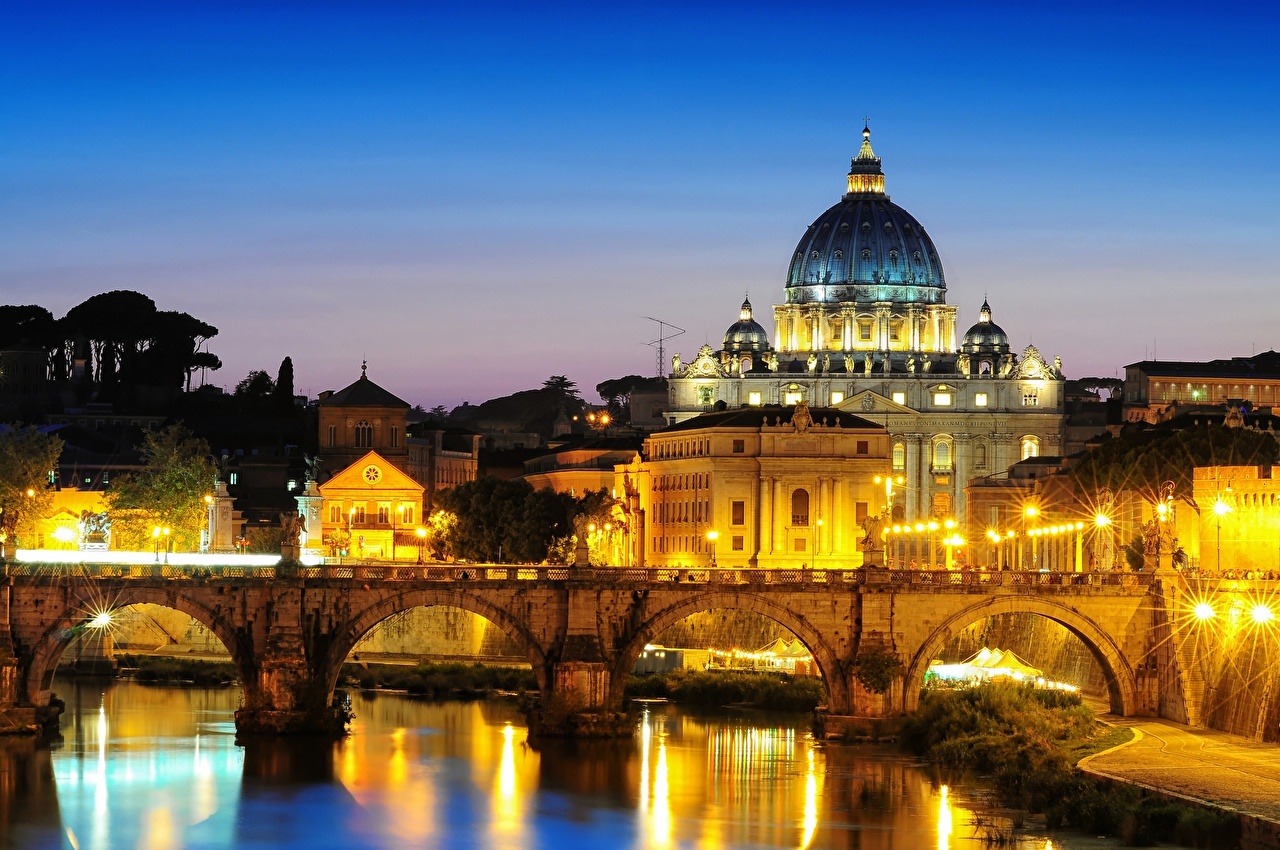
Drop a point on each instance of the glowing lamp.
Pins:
(1261, 614)
(1221, 508)
(101, 620)
(1203, 611)
(1101, 520)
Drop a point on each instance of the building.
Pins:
(764, 486)
(582, 464)
(865, 328)
(1239, 519)
(1154, 390)
(370, 510)
(360, 418)
(440, 458)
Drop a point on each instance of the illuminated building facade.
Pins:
(865, 328)
(1156, 390)
(372, 506)
(1239, 519)
(755, 487)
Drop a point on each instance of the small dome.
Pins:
(986, 337)
(746, 333)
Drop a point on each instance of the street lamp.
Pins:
(1101, 522)
(422, 538)
(712, 537)
(400, 512)
(1221, 509)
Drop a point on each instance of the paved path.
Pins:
(1213, 767)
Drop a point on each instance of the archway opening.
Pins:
(141, 660)
(437, 652)
(1025, 648)
(725, 656)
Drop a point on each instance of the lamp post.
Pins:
(1220, 509)
(155, 541)
(1029, 512)
(712, 537)
(400, 513)
(422, 538)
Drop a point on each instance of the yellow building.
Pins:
(367, 506)
(1239, 519)
(359, 418)
(755, 487)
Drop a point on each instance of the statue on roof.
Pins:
(801, 420)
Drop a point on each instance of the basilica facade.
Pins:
(864, 328)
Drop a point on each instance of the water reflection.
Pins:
(158, 768)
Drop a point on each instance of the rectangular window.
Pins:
(836, 398)
(739, 446)
(738, 513)
(864, 331)
(864, 447)
(234, 477)
(859, 511)
(1031, 398)
(895, 331)
(899, 398)
(754, 399)
(384, 513)
(737, 543)
(800, 544)
(942, 399)
(335, 514)
(980, 400)
(792, 399)
(333, 436)
(395, 436)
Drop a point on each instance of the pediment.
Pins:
(371, 472)
(868, 401)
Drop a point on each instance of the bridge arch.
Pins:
(833, 671)
(1122, 688)
(48, 649)
(363, 621)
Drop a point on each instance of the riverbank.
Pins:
(1028, 741)
(720, 688)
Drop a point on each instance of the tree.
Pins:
(562, 385)
(169, 492)
(284, 385)
(27, 457)
(1143, 460)
(505, 520)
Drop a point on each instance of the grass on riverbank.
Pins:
(160, 670)
(453, 680)
(1028, 741)
(714, 689)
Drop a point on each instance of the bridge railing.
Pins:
(504, 573)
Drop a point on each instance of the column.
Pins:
(764, 518)
(815, 328)
(781, 507)
(780, 335)
(883, 312)
(793, 322)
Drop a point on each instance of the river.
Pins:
(157, 768)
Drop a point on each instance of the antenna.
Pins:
(660, 343)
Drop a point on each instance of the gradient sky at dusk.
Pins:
(477, 196)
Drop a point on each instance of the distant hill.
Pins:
(532, 411)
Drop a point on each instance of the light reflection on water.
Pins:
(158, 769)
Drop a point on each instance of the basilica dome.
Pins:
(865, 248)
(986, 337)
(746, 334)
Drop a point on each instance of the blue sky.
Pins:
(474, 197)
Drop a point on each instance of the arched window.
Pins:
(942, 455)
(899, 456)
(800, 507)
(980, 456)
(364, 435)
(1030, 447)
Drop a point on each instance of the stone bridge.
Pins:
(290, 628)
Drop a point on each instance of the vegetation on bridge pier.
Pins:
(1028, 741)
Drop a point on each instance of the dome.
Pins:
(986, 337)
(746, 333)
(865, 248)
